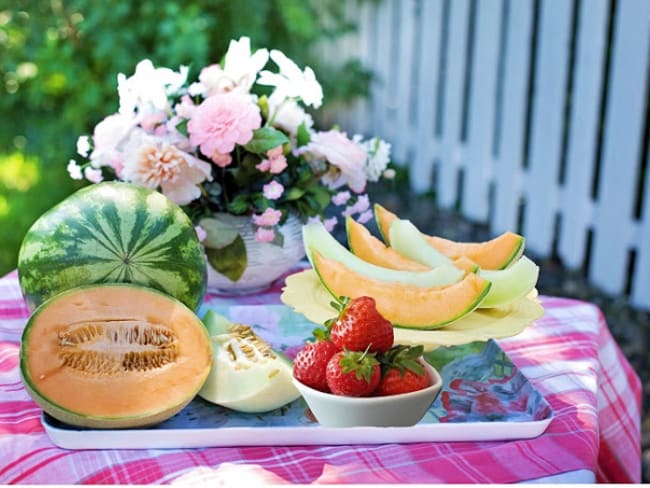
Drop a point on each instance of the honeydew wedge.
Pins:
(317, 239)
(404, 305)
(497, 253)
(408, 241)
(511, 284)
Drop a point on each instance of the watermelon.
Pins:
(113, 232)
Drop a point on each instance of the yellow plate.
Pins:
(304, 293)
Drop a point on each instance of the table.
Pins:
(569, 355)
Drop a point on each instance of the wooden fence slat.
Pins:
(382, 68)
(640, 295)
(429, 60)
(482, 98)
(547, 124)
(621, 146)
(452, 100)
(583, 131)
(508, 167)
(402, 140)
(362, 108)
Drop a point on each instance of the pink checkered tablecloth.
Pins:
(569, 355)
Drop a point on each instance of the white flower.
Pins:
(287, 115)
(291, 82)
(147, 90)
(74, 170)
(108, 137)
(93, 175)
(154, 162)
(378, 157)
(83, 146)
(239, 71)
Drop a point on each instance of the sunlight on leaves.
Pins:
(18, 172)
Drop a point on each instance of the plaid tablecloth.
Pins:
(569, 355)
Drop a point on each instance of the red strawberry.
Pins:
(310, 364)
(361, 327)
(402, 371)
(353, 373)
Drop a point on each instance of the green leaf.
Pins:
(302, 137)
(231, 260)
(220, 232)
(293, 193)
(265, 139)
(263, 104)
(239, 204)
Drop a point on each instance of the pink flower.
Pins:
(221, 160)
(223, 120)
(93, 175)
(200, 233)
(347, 156)
(273, 190)
(341, 198)
(268, 218)
(365, 217)
(264, 235)
(330, 223)
(276, 162)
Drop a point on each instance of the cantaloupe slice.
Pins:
(316, 238)
(497, 253)
(404, 305)
(370, 249)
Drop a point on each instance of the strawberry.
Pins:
(359, 327)
(310, 364)
(402, 371)
(353, 373)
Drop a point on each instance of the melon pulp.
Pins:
(247, 375)
(510, 284)
(114, 356)
(316, 238)
(407, 240)
(404, 305)
(497, 253)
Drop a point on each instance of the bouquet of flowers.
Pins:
(238, 140)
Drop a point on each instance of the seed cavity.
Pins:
(243, 347)
(109, 347)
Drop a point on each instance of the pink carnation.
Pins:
(264, 235)
(273, 190)
(268, 218)
(223, 120)
(276, 162)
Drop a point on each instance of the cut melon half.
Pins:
(316, 238)
(511, 284)
(497, 253)
(404, 305)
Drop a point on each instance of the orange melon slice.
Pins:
(367, 247)
(405, 305)
(497, 253)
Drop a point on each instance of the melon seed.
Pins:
(112, 346)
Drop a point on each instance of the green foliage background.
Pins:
(59, 61)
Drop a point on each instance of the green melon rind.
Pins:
(517, 253)
(473, 306)
(94, 422)
(510, 284)
(113, 232)
(317, 238)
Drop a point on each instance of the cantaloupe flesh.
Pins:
(117, 398)
(404, 305)
(497, 253)
(367, 247)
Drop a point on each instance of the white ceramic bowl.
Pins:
(381, 411)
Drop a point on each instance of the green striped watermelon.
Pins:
(113, 232)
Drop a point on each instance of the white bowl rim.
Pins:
(435, 385)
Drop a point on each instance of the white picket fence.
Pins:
(530, 115)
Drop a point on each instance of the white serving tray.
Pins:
(484, 397)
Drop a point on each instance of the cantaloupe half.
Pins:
(404, 305)
(497, 253)
(114, 356)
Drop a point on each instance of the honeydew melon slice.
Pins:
(404, 305)
(497, 253)
(408, 241)
(509, 285)
(317, 238)
(247, 375)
